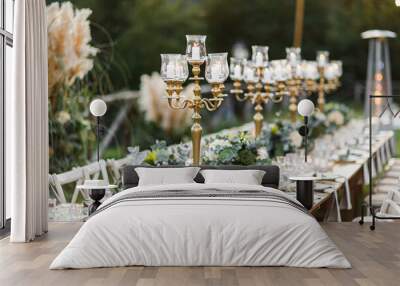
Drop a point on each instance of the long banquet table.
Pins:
(331, 204)
(355, 175)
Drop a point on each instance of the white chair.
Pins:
(389, 204)
(56, 191)
(57, 181)
(117, 165)
(93, 171)
(394, 196)
(389, 208)
(77, 176)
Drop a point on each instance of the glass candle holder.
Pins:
(196, 48)
(298, 71)
(217, 69)
(322, 58)
(250, 74)
(310, 70)
(330, 71)
(170, 67)
(182, 70)
(268, 77)
(280, 70)
(338, 68)
(259, 56)
(237, 68)
(293, 56)
(225, 66)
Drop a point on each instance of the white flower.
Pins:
(70, 55)
(153, 102)
(295, 138)
(63, 117)
(189, 162)
(336, 117)
(210, 155)
(212, 150)
(219, 144)
(262, 153)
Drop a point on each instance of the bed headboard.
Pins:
(130, 178)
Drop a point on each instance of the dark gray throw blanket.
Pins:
(203, 194)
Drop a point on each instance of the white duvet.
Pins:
(200, 231)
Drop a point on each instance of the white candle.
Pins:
(237, 72)
(195, 52)
(298, 71)
(247, 74)
(267, 76)
(259, 59)
(335, 69)
(321, 60)
(292, 59)
(329, 74)
(170, 70)
(309, 72)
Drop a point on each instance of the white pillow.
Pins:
(166, 176)
(248, 177)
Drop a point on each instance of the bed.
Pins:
(198, 224)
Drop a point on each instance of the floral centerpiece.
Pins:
(238, 147)
(161, 154)
(334, 116)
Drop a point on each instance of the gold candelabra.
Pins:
(174, 71)
(292, 76)
(258, 94)
(260, 89)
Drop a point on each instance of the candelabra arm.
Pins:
(177, 104)
(280, 92)
(212, 104)
(250, 89)
(269, 92)
(240, 97)
(238, 92)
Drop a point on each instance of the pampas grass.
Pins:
(155, 106)
(70, 54)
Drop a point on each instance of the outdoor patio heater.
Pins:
(379, 97)
(379, 80)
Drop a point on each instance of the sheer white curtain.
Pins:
(26, 124)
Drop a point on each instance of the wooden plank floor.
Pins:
(375, 257)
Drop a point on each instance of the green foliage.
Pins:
(246, 157)
(70, 135)
(71, 127)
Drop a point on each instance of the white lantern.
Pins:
(98, 107)
(305, 107)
